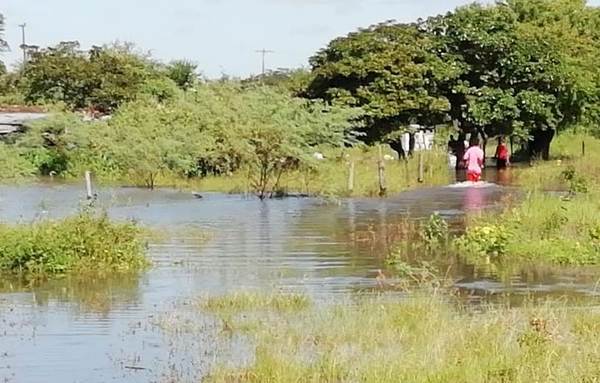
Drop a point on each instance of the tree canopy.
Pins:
(515, 67)
(390, 71)
(103, 78)
(183, 73)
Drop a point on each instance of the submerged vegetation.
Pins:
(84, 243)
(421, 339)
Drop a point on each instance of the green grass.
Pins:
(421, 339)
(566, 152)
(330, 177)
(543, 228)
(80, 244)
(249, 301)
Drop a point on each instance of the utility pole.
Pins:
(23, 45)
(264, 53)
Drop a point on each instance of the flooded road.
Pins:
(114, 330)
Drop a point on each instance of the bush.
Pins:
(86, 242)
(576, 182)
(13, 163)
(435, 231)
(487, 240)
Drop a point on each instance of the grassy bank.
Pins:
(543, 228)
(330, 177)
(558, 221)
(80, 244)
(422, 339)
(567, 156)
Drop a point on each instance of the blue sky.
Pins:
(221, 36)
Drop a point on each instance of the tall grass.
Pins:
(330, 176)
(567, 152)
(422, 339)
(84, 243)
(543, 228)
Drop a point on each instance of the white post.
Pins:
(88, 184)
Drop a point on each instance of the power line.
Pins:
(264, 53)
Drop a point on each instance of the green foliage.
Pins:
(510, 76)
(13, 163)
(435, 231)
(101, 79)
(543, 228)
(293, 81)
(50, 143)
(577, 183)
(213, 129)
(390, 71)
(382, 340)
(252, 301)
(183, 73)
(486, 240)
(86, 242)
(513, 68)
(10, 92)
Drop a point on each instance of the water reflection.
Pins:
(474, 199)
(84, 294)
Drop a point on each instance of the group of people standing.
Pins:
(471, 157)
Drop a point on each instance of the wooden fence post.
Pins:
(583, 148)
(351, 177)
(421, 167)
(381, 174)
(88, 184)
(421, 163)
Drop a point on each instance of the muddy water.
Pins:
(114, 330)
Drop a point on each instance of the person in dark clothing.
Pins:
(502, 156)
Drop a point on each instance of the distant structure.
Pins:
(14, 119)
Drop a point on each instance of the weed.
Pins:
(435, 231)
(486, 240)
(85, 243)
(577, 183)
(419, 340)
(253, 301)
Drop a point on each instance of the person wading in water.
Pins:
(474, 158)
(502, 156)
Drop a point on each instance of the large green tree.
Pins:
(517, 76)
(390, 70)
(519, 67)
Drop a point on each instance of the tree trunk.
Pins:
(539, 145)
(397, 146)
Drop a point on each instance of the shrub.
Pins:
(577, 183)
(86, 242)
(13, 164)
(435, 231)
(487, 240)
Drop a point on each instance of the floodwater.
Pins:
(117, 330)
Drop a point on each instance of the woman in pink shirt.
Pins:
(474, 157)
